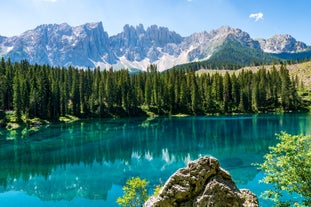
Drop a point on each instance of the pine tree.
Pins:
(195, 98)
(64, 91)
(44, 94)
(227, 92)
(235, 91)
(286, 98)
(148, 89)
(55, 101)
(17, 98)
(75, 93)
(255, 94)
(3, 84)
(8, 95)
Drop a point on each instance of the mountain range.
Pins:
(89, 45)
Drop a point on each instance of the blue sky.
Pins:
(260, 18)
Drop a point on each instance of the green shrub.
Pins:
(135, 193)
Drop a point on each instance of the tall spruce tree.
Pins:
(17, 103)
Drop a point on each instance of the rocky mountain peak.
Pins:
(161, 36)
(61, 45)
(88, 45)
(224, 30)
(156, 35)
(94, 25)
(226, 33)
(2, 38)
(138, 44)
(205, 44)
(139, 29)
(199, 37)
(282, 43)
(90, 29)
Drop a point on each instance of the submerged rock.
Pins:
(202, 183)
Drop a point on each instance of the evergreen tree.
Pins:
(17, 98)
(255, 94)
(227, 92)
(235, 91)
(75, 93)
(8, 95)
(109, 88)
(195, 98)
(286, 98)
(148, 90)
(44, 93)
(49, 92)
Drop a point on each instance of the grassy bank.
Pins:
(9, 121)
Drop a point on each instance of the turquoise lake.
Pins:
(86, 163)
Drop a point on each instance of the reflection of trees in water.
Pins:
(66, 184)
(236, 141)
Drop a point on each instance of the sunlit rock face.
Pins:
(202, 183)
(89, 45)
(282, 43)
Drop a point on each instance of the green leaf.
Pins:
(288, 167)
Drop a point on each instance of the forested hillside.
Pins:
(231, 56)
(298, 57)
(50, 92)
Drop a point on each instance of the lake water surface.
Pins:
(86, 163)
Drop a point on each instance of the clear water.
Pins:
(86, 163)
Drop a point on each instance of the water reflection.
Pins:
(85, 159)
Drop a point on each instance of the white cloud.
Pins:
(257, 16)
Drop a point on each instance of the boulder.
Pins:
(202, 183)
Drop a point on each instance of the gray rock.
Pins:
(202, 183)
(61, 45)
(89, 45)
(136, 44)
(282, 43)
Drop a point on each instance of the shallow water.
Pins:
(85, 163)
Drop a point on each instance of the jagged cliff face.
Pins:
(89, 45)
(282, 43)
(136, 44)
(204, 45)
(61, 45)
(2, 39)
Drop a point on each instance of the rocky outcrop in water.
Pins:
(202, 183)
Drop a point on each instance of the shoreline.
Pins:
(35, 124)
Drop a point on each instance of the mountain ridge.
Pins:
(89, 45)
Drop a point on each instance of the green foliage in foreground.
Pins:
(135, 193)
(288, 168)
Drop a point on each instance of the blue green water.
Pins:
(86, 163)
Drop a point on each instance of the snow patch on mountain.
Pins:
(90, 46)
(282, 43)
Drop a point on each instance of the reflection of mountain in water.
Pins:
(86, 158)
